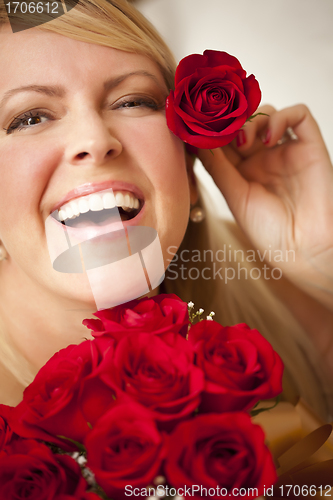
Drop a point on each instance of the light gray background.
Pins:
(287, 44)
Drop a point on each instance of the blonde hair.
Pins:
(111, 23)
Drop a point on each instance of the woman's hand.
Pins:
(282, 194)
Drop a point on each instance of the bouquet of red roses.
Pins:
(152, 405)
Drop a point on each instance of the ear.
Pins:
(192, 182)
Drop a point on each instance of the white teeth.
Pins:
(83, 205)
(75, 208)
(120, 200)
(69, 212)
(62, 215)
(127, 201)
(97, 202)
(108, 200)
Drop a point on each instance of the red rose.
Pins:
(239, 364)
(124, 448)
(84, 496)
(212, 99)
(157, 315)
(157, 374)
(29, 470)
(80, 495)
(224, 450)
(66, 396)
(5, 431)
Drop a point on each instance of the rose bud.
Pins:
(212, 99)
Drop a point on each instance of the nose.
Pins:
(92, 141)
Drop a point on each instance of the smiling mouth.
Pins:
(99, 209)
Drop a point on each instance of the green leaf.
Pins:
(99, 491)
(212, 152)
(55, 448)
(257, 114)
(79, 446)
(260, 410)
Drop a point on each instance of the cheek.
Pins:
(160, 154)
(25, 170)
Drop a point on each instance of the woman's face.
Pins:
(77, 118)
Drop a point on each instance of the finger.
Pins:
(299, 119)
(228, 179)
(249, 139)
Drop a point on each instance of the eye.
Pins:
(132, 102)
(27, 120)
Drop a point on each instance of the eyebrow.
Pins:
(52, 91)
(114, 82)
(57, 91)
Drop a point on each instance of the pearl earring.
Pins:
(197, 214)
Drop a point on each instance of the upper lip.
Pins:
(89, 188)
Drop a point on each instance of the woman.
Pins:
(82, 107)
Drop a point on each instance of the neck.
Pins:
(35, 323)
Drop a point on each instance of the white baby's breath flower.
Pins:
(89, 476)
(75, 455)
(200, 311)
(190, 305)
(209, 318)
(82, 460)
(159, 480)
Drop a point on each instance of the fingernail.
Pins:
(241, 138)
(267, 137)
